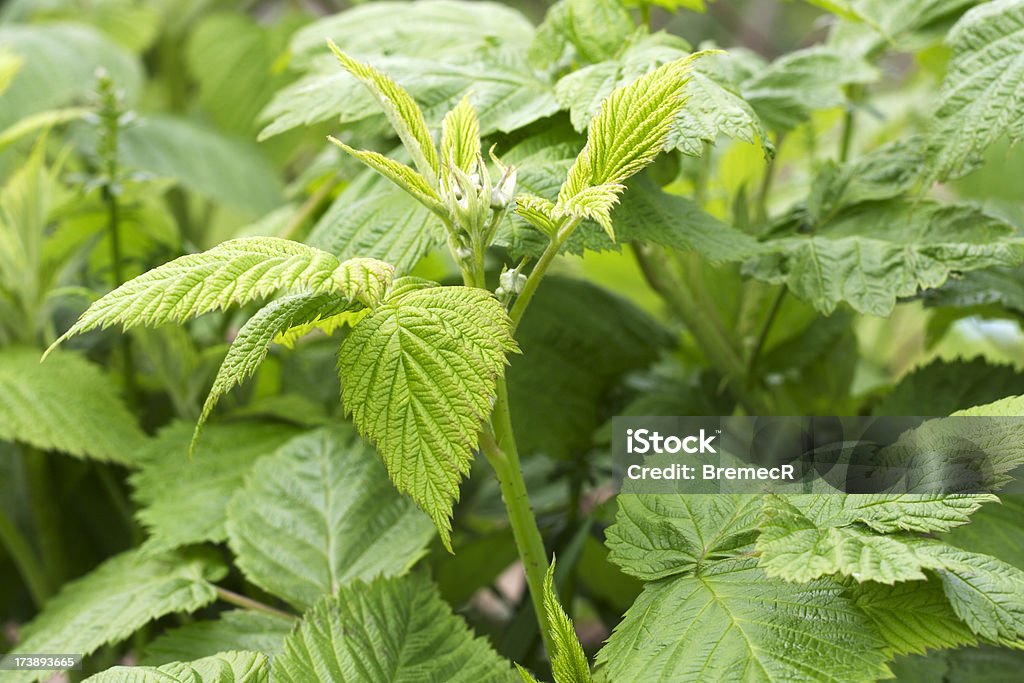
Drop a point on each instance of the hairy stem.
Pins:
(24, 559)
(501, 451)
(239, 600)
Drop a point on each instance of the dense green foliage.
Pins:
(487, 230)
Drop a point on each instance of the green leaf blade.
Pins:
(418, 376)
(320, 513)
(347, 639)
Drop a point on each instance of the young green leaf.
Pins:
(223, 667)
(113, 601)
(537, 211)
(460, 136)
(794, 548)
(626, 135)
(234, 272)
(403, 113)
(320, 513)
(568, 661)
(398, 173)
(418, 375)
(387, 631)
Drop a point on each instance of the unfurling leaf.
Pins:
(626, 135)
(460, 136)
(403, 113)
(418, 375)
(398, 173)
(568, 661)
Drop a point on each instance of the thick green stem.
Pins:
(25, 560)
(239, 600)
(501, 451)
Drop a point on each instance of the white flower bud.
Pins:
(512, 281)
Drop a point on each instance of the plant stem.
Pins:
(763, 336)
(25, 560)
(501, 451)
(853, 93)
(239, 600)
(42, 500)
(711, 338)
(311, 204)
(539, 270)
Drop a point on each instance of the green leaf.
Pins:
(714, 107)
(912, 617)
(183, 499)
(434, 29)
(235, 172)
(656, 536)
(795, 548)
(874, 253)
(942, 387)
(733, 623)
(387, 631)
(649, 214)
(983, 92)
(460, 136)
(234, 272)
(224, 667)
(799, 83)
(995, 530)
(319, 514)
(115, 600)
(986, 593)
(595, 30)
(883, 173)
(58, 67)
(418, 376)
(888, 513)
(402, 112)
(41, 405)
(234, 630)
(568, 661)
(398, 173)
(537, 211)
(370, 219)
(233, 59)
(252, 343)
(628, 132)
(594, 203)
(506, 93)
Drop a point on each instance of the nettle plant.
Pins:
(604, 134)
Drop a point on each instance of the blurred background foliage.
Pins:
(146, 115)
